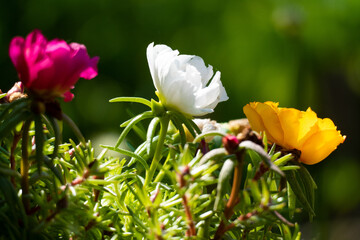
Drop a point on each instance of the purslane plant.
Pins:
(185, 87)
(187, 179)
(30, 132)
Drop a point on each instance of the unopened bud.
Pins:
(231, 143)
(71, 152)
(154, 195)
(185, 170)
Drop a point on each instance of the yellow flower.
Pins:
(290, 128)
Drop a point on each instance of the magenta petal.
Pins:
(78, 49)
(68, 96)
(86, 67)
(55, 44)
(34, 54)
(35, 44)
(59, 52)
(16, 53)
(91, 71)
(16, 50)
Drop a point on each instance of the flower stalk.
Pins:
(164, 123)
(16, 139)
(234, 195)
(25, 166)
(182, 182)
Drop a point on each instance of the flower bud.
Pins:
(231, 143)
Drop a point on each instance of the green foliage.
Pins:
(196, 190)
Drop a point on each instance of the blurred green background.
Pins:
(299, 53)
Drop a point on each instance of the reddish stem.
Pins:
(191, 231)
(234, 195)
(260, 172)
(182, 182)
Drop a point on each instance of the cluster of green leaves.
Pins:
(73, 194)
(58, 203)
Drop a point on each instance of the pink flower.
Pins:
(50, 69)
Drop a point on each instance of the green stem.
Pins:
(161, 173)
(39, 141)
(25, 166)
(57, 134)
(17, 137)
(164, 123)
(132, 99)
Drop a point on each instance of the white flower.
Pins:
(207, 125)
(183, 82)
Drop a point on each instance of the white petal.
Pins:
(154, 53)
(163, 62)
(180, 96)
(182, 81)
(216, 79)
(151, 59)
(182, 61)
(206, 72)
(208, 96)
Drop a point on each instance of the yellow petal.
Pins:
(274, 105)
(253, 117)
(318, 146)
(268, 114)
(290, 120)
(326, 124)
(307, 122)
